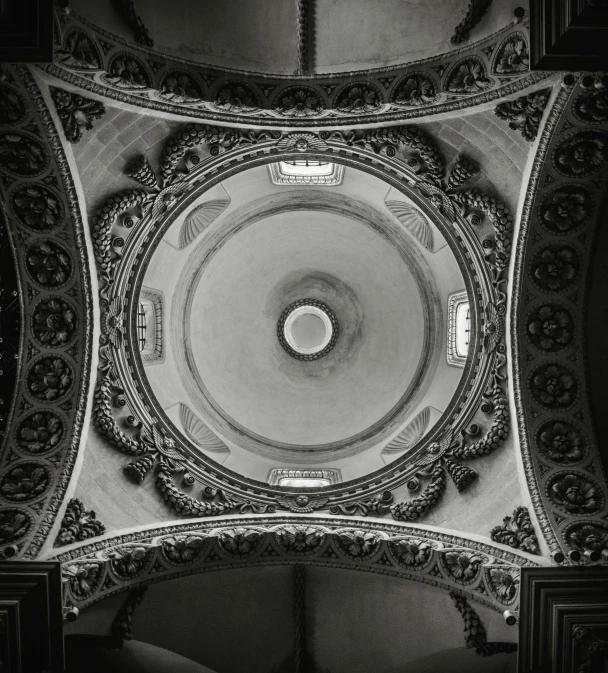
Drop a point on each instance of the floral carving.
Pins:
(24, 482)
(12, 106)
(565, 209)
(575, 494)
(468, 77)
(48, 263)
(553, 386)
(561, 442)
(130, 562)
(581, 154)
(22, 155)
(79, 52)
(76, 112)
(181, 550)
(512, 56)
(236, 97)
(358, 544)
(358, 99)
(505, 583)
(49, 379)
(40, 432)
(128, 72)
(54, 322)
(517, 531)
(588, 537)
(83, 579)
(525, 114)
(239, 541)
(300, 539)
(78, 524)
(415, 90)
(550, 328)
(37, 207)
(180, 87)
(592, 106)
(411, 553)
(555, 267)
(14, 524)
(462, 566)
(299, 102)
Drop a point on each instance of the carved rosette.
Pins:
(126, 70)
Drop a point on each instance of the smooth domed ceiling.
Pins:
(263, 248)
(263, 35)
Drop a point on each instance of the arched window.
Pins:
(459, 328)
(303, 478)
(306, 172)
(150, 325)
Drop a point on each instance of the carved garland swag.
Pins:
(446, 193)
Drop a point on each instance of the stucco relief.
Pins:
(124, 71)
(554, 246)
(43, 437)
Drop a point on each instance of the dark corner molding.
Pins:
(31, 613)
(26, 31)
(568, 35)
(563, 619)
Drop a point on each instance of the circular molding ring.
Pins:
(298, 309)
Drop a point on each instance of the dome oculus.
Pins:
(307, 329)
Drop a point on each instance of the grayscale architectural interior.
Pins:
(303, 310)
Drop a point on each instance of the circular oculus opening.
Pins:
(307, 329)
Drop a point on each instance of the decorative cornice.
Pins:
(96, 61)
(100, 569)
(44, 428)
(555, 431)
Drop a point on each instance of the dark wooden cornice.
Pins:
(568, 35)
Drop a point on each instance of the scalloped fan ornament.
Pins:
(414, 221)
(199, 433)
(412, 434)
(199, 219)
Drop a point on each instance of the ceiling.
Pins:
(353, 622)
(133, 172)
(272, 245)
(261, 35)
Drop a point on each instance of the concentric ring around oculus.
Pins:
(304, 309)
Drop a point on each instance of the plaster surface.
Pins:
(292, 256)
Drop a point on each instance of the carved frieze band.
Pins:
(96, 61)
(483, 573)
(568, 181)
(42, 212)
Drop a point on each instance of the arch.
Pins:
(111, 565)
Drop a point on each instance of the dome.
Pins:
(307, 324)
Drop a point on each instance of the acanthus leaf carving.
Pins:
(524, 114)
(76, 112)
(517, 531)
(78, 524)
